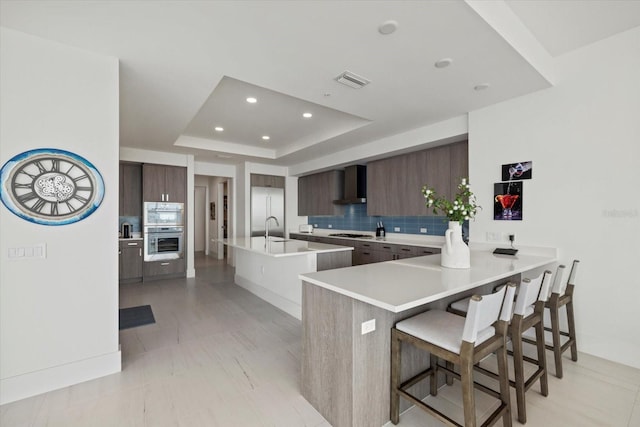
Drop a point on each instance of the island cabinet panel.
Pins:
(130, 190)
(130, 261)
(317, 192)
(274, 181)
(394, 184)
(345, 375)
(161, 183)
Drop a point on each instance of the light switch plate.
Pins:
(396, 229)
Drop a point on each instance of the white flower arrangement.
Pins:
(462, 208)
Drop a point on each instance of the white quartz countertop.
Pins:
(407, 283)
(279, 247)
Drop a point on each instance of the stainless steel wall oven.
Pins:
(163, 231)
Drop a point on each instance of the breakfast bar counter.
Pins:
(347, 316)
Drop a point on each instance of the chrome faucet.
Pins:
(266, 226)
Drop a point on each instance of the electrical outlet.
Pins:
(512, 238)
(315, 225)
(423, 230)
(368, 326)
(396, 229)
(330, 226)
(494, 236)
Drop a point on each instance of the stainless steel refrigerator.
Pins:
(266, 202)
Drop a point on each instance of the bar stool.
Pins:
(561, 296)
(528, 313)
(463, 342)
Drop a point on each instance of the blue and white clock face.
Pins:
(51, 187)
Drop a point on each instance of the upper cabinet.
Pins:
(317, 192)
(273, 181)
(130, 203)
(394, 184)
(162, 183)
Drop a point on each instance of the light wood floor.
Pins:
(219, 356)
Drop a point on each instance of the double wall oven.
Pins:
(163, 230)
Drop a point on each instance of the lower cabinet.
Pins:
(367, 252)
(161, 269)
(130, 261)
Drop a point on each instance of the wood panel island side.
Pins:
(345, 373)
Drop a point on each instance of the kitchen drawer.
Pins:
(159, 269)
(422, 251)
(297, 236)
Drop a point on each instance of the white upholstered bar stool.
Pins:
(561, 297)
(462, 342)
(527, 313)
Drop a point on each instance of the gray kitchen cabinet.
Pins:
(161, 183)
(130, 190)
(459, 153)
(367, 252)
(317, 192)
(274, 181)
(130, 260)
(163, 269)
(394, 184)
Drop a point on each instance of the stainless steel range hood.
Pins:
(355, 186)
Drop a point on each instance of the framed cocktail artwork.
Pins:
(517, 171)
(507, 201)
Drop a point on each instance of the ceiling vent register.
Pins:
(352, 80)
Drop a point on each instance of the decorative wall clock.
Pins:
(51, 187)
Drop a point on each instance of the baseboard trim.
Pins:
(45, 380)
(272, 298)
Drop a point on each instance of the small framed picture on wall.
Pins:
(507, 202)
(517, 171)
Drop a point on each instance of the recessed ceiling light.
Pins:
(266, 137)
(252, 100)
(307, 115)
(388, 27)
(481, 86)
(219, 129)
(443, 63)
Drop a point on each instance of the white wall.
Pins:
(59, 315)
(583, 137)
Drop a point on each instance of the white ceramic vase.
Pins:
(455, 253)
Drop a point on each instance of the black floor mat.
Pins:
(136, 316)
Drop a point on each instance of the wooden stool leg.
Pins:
(433, 377)
(503, 372)
(572, 331)
(466, 379)
(555, 333)
(518, 365)
(448, 377)
(395, 378)
(542, 360)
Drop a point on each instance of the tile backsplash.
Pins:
(135, 222)
(355, 218)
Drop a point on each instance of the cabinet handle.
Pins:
(140, 252)
(167, 197)
(164, 263)
(387, 247)
(119, 252)
(406, 250)
(162, 197)
(133, 244)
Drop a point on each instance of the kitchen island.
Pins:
(270, 268)
(346, 362)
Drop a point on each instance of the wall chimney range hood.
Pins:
(355, 186)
